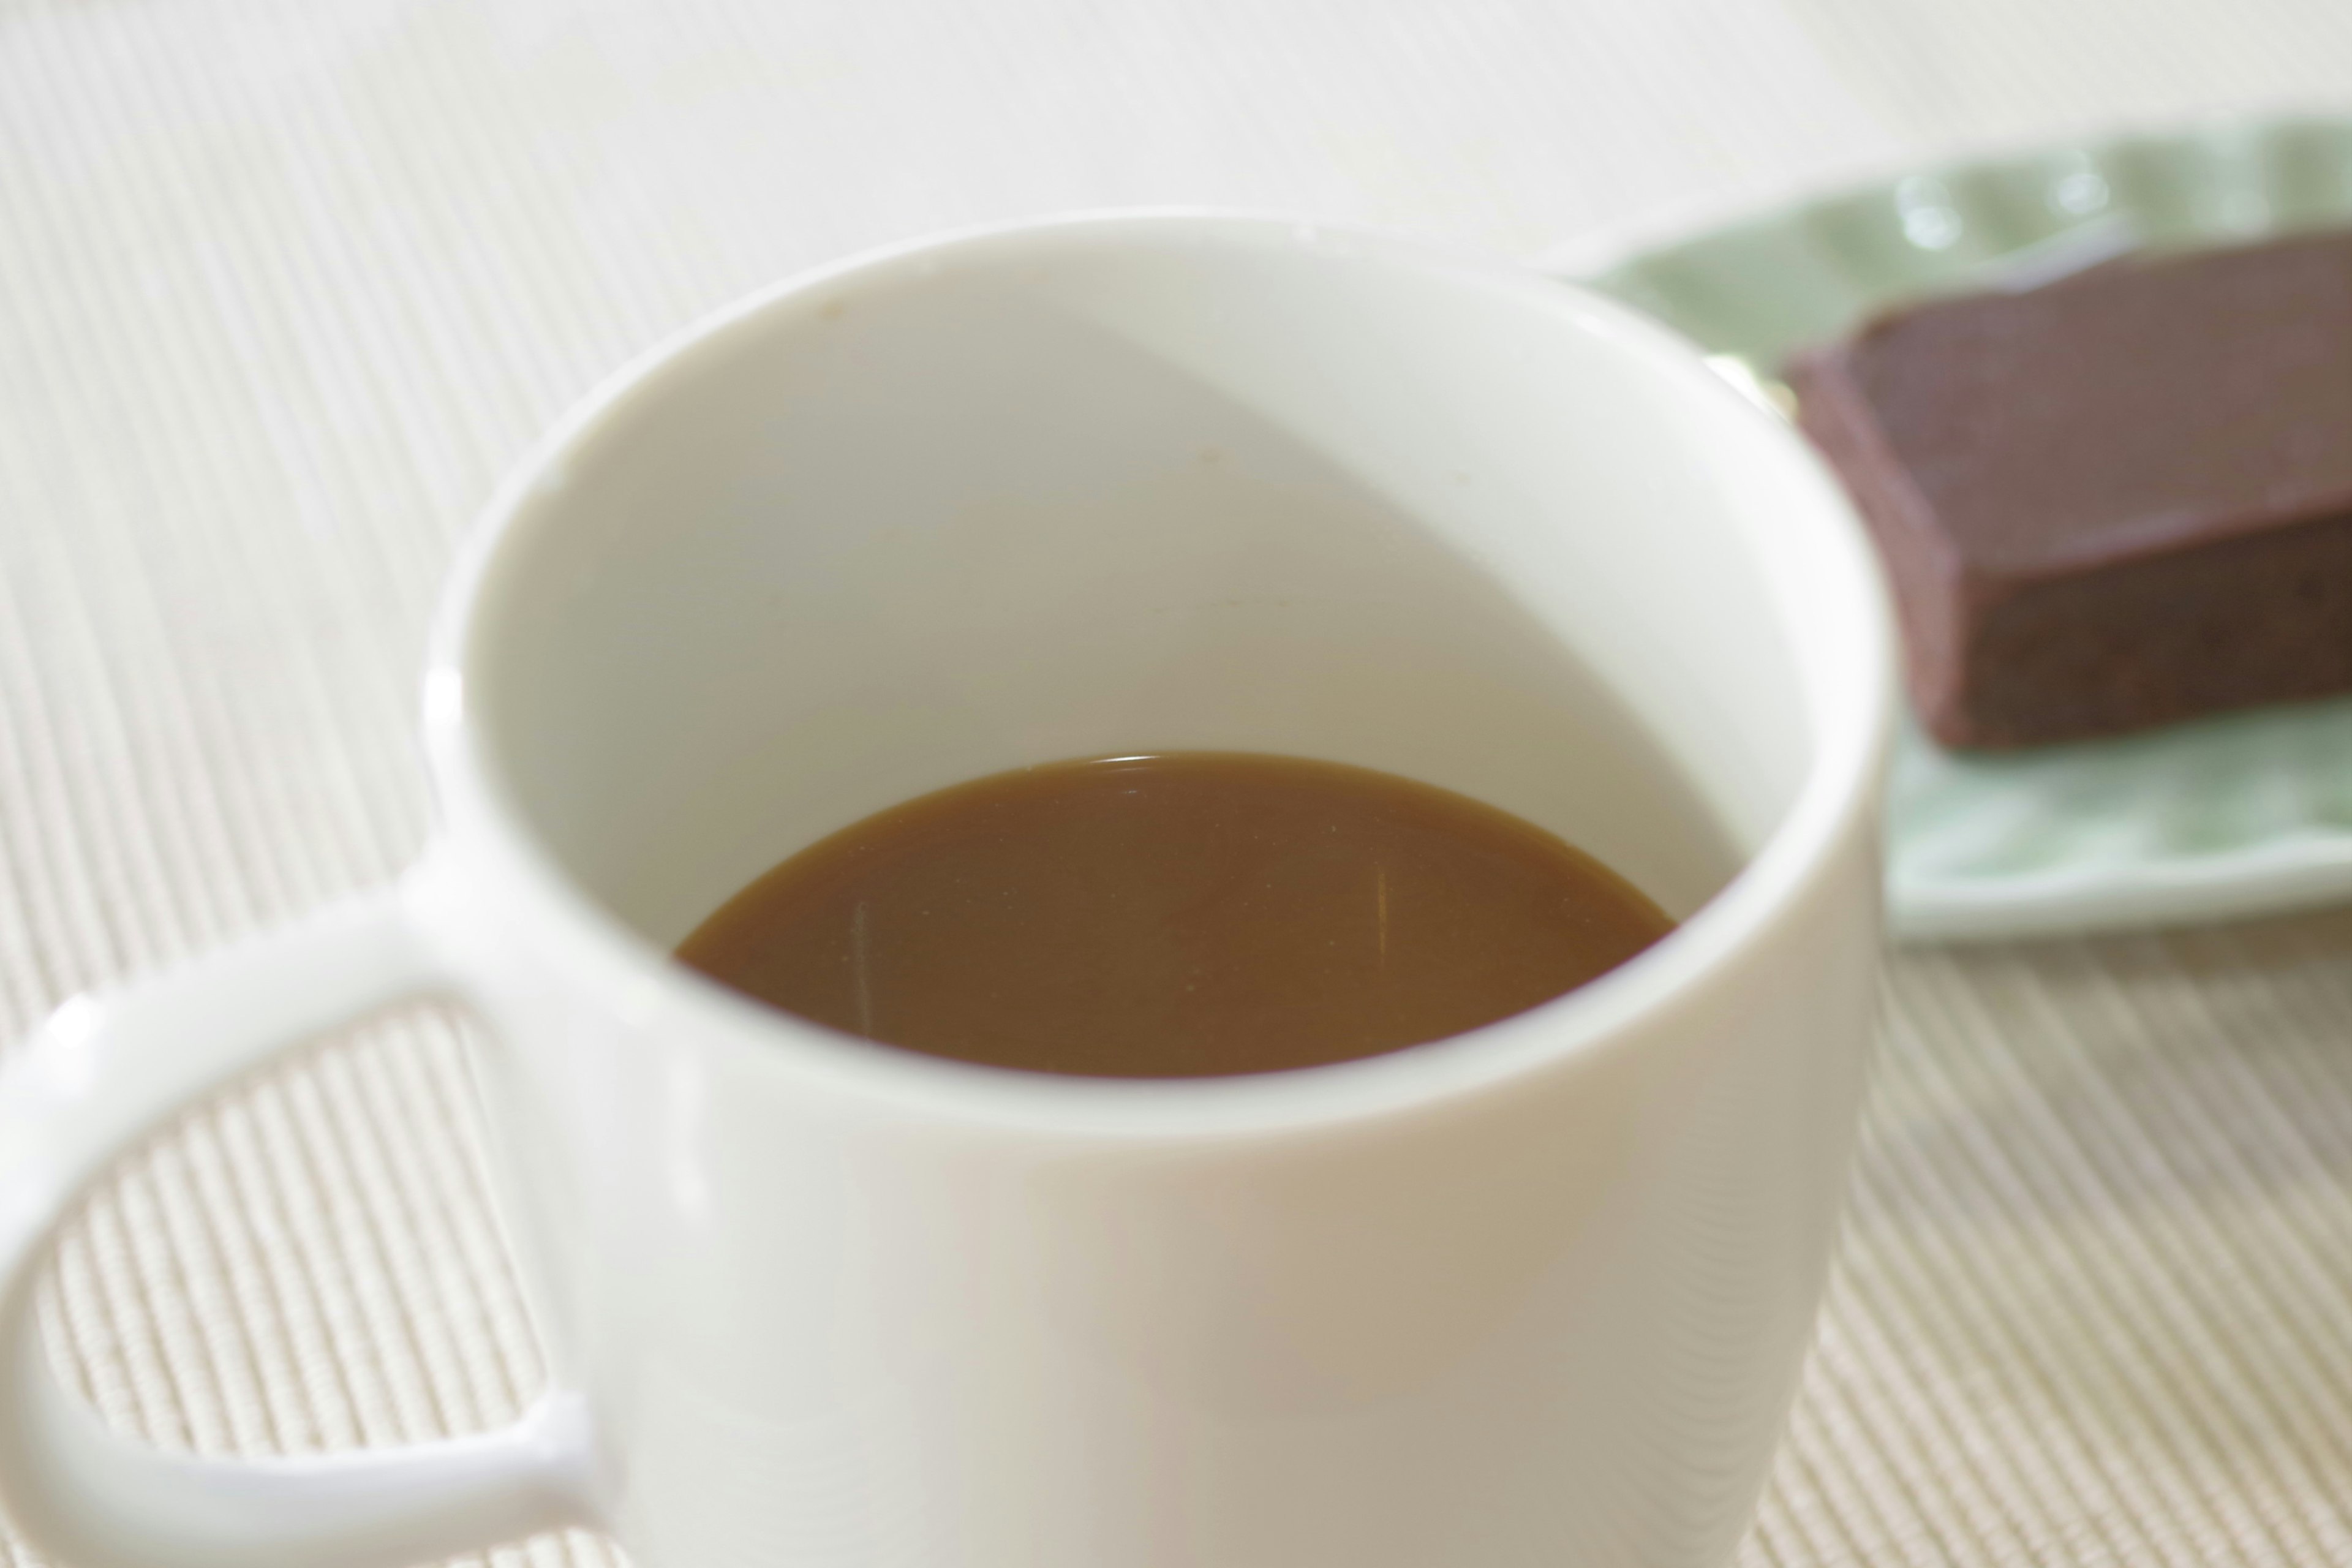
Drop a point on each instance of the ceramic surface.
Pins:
(1535, 1294)
(2229, 816)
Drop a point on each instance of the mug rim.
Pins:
(487, 843)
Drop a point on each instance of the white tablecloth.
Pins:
(284, 286)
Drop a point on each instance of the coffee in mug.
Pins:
(1188, 915)
(1533, 1294)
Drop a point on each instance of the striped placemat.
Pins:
(283, 286)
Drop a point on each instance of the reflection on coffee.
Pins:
(1179, 916)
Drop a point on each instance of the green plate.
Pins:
(2225, 817)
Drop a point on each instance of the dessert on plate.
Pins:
(2115, 500)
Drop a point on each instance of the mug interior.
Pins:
(1141, 486)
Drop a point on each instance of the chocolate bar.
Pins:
(2117, 500)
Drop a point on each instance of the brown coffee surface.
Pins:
(1179, 916)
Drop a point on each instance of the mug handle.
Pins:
(98, 1076)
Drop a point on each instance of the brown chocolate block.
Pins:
(2116, 500)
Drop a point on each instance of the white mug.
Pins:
(1534, 1294)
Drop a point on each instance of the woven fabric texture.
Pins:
(285, 287)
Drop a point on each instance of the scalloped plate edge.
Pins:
(2301, 869)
